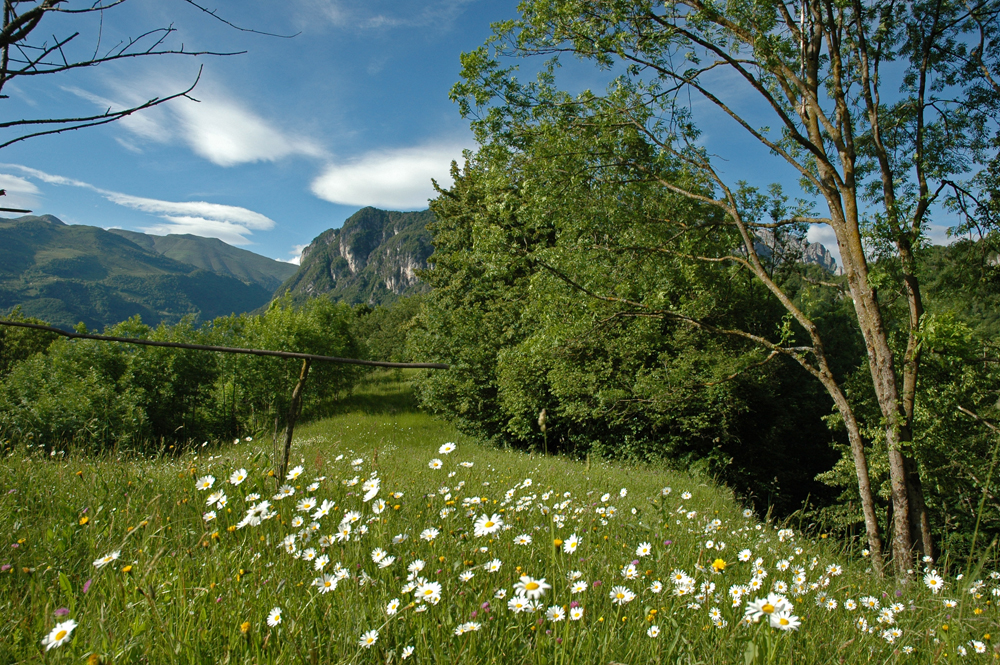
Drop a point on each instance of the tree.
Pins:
(24, 55)
(612, 383)
(880, 106)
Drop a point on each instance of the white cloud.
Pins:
(20, 192)
(228, 223)
(149, 124)
(383, 14)
(218, 127)
(229, 232)
(295, 255)
(15, 185)
(193, 210)
(225, 133)
(395, 179)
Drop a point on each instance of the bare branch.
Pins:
(92, 121)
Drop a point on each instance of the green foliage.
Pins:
(564, 303)
(258, 389)
(960, 369)
(17, 344)
(382, 330)
(101, 395)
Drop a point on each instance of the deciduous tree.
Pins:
(881, 106)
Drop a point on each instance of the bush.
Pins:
(97, 394)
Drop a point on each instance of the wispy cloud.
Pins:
(230, 224)
(219, 127)
(384, 14)
(226, 133)
(20, 192)
(395, 179)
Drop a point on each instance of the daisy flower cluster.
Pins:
(479, 560)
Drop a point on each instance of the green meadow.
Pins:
(397, 538)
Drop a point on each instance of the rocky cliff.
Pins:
(794, 249)
(372, 258)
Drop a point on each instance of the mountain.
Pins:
(372, 258)
(790, 248)
(214, 255)
(65, 274)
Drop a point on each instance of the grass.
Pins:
(179, 589)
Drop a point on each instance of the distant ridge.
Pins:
(67, 274)
(215, 255)
(371, 259)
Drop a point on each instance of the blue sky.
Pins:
(286, 140)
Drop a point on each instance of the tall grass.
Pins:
(186, 590)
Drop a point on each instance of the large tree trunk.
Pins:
(885, 382)
(875, 545)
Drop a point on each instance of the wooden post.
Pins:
(293, 414)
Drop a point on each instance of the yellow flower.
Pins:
(84, 520)
(127, 569)
(557, 542)
(719, 565)
(245, 627)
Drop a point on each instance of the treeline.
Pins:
(98, 395)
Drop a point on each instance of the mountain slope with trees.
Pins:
(214, 255)
(68, 274)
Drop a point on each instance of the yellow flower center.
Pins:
(531, 586)
(61, 634)
(619, 595)
(767, 608)
(488, 525)
(783, 621)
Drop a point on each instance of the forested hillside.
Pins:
(68, 274)
(215, 255)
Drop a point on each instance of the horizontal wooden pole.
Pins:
(223, 349)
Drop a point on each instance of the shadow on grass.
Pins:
(379, 393)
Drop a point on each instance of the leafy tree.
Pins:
(382, 329)
(870, 104)
(260, 388)
(17, 344)
(611, 380)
